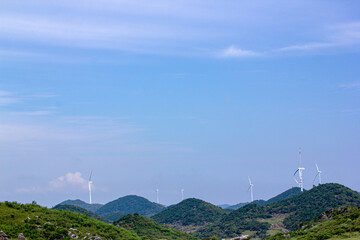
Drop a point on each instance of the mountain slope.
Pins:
(77, 209)
(284, 195)
(281, 215)
(129, 205)
(190, 211)
(287, 194)
(82, 204)
(143, 226)
(338, 223)
(41, 223)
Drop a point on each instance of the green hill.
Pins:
(129, 205)
(144, 227)
(286, 214)
(77, 209)
(90, 207)
(287, 194)
(190, 212)
(39, 223)
(336, 223)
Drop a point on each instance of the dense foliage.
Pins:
(312, 203)
(191, 211)
(77, 209)
(234, 224)
(297, 209)
(336, 223)
(129, 205)
(41, 223)
(90, 207)
(148, 229)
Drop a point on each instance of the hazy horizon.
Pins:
(193, 95)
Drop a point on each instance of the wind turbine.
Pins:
(90, 183)
(182, 194)
(318, 174)
(251, 190)
(300, 169)
(157, 196)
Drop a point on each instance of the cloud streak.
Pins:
(234, 52)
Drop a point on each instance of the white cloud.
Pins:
(70, 179)
(308, 46)
(7, 98)
(233, 51)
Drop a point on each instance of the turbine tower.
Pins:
(300, 169)
(318, 174)
(90, 183)
(251, 190)
(157, 196)
(182, 194)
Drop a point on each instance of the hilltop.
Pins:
(77, 209)
(284, 195)
(129, 205)
(90, 207)
(41, 223)
(144, 227)
(282, 215)
(190, 212)
(336, 223)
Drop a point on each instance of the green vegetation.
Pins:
(245, 219)
(295, 210)
(190, 212)
(77, 209)
(129, 205)
(90, 207)
(287, 194)
(312, 203)
(339, 223)
(148, 229)
(41, 223)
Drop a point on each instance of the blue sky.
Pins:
(196, 95)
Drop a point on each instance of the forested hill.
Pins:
(144, 227)
(336, 223)
(284, 214)
(287, 194)
(77, 209)
(129, 205)
(41, 223)
(90, 207)
(190, 211)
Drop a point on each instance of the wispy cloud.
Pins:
(235, 52)
(353, 85)
(7, 98)
(340, 35)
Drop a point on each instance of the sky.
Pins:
(193, 95)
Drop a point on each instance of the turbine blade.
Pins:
(249, 181)
(296, 181)
(317, 168)
(90, 176)
(249, 188)
(296, 172)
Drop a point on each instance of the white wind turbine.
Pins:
(182, 194)
(300, 169)
(251, 190)
(90, 183)
(318, 173)
(157, 196)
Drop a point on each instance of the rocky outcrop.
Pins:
(3, 236)
(21, 237)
